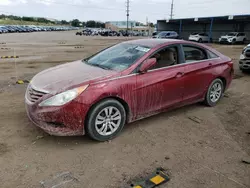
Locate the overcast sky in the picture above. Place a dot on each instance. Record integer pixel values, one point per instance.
(108, 10)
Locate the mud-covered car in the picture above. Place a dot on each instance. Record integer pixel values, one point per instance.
(126, 82)
(244, 63)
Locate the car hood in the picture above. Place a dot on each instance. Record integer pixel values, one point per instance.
(227, 36)
(68, 75)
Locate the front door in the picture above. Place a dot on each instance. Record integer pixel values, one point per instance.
(162, 86)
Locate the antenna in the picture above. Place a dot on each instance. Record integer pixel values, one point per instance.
(172, 10)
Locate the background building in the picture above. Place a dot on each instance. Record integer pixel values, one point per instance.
(132, 25)
(214, 26)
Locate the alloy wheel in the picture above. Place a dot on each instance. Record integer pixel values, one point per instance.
(108, 121)
(215, 92)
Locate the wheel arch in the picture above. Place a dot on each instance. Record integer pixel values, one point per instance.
(223, 80)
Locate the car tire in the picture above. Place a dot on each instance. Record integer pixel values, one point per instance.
(244, 41)
(200, 40)
(103, 117)
(214, 92)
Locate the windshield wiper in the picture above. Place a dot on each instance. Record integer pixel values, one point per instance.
(101, 66)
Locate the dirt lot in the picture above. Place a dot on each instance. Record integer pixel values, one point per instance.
(207, 153)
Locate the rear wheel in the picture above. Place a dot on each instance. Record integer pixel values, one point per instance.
(106, 120)
(214, 92)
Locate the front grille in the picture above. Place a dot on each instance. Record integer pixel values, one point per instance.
(223, 39)
(34, 95)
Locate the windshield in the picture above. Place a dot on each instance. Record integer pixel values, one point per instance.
(194, 33)
(231, 34)
(162, 34)
(118, 57)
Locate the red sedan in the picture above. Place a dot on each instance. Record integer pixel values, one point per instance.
(124, 83)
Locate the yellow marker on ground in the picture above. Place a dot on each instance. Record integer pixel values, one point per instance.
(20, 82)
(157, 179)
(138, 186)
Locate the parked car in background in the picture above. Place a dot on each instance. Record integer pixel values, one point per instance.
(79, 33)
(3, 29)
(124, 83)
(167, 35)
(199, 37)
(244, 63)
(233, 38)
(32, 28)
(154, 33)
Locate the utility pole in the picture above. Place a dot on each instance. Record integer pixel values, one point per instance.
(147, 24)
(172, 10)
(127, 11)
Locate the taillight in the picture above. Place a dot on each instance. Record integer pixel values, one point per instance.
(231, 64)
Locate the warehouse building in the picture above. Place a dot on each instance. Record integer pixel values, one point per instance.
(213, 26)
(122, 25)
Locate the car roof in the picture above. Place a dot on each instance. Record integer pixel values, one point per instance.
(151, 43)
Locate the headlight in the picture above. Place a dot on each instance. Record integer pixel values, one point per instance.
(63, 98)
(242, 56)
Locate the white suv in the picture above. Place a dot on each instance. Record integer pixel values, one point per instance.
(199, 37)
(233, 38)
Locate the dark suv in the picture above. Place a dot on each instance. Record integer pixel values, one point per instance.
(244, 62)
(167, 35)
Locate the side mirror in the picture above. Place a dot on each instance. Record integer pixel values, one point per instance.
(147, 64)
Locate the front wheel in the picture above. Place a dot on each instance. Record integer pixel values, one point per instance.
(106, 120)
(214, 92)
(244, 41)
(200, 40)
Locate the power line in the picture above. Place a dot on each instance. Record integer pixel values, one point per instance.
(172, 9)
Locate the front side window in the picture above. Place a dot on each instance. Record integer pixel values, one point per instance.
(166, 57)
(162, 34)
(232, 34)
(194, 54)
(118, 57)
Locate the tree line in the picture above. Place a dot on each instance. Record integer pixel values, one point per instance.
(25, 18)
(74, 22)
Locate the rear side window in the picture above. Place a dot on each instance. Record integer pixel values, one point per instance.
(194, 53)
(211, 55)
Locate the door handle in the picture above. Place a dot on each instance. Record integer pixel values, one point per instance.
(179, 74)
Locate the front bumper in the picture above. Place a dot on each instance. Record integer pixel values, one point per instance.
(66, 120)
(244, 64)
(225, 41)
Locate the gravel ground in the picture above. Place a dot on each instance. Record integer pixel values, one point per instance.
(200, 154)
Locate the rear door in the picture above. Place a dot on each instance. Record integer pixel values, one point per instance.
(198, 71)
(239, 37)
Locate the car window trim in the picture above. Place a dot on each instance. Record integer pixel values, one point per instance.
(137, 73)
(179, 50)
(199, 47)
